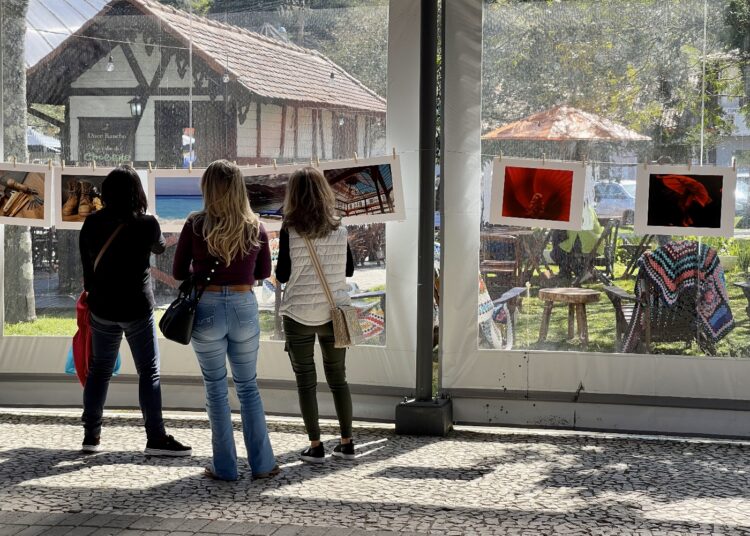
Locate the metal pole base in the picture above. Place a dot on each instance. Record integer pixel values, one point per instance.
(430, 418)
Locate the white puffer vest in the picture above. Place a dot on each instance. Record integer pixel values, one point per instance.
(304, 300)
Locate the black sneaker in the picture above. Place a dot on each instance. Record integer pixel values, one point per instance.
(90, 444)
(167, 446)
(314, 454)
(345, 451)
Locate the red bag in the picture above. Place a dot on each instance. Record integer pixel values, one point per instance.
(82, 339)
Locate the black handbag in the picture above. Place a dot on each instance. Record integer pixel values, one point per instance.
(177, 322)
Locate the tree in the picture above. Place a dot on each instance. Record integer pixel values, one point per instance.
(635, 62)
(19, 269)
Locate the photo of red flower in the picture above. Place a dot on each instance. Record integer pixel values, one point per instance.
(537, 193)
(682, 200)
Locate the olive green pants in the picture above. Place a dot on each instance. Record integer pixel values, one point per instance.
(300, 344)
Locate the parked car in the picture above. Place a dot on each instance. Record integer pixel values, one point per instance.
(614, 201)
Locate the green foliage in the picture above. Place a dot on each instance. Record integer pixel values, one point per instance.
(638, 63)
(199, 7)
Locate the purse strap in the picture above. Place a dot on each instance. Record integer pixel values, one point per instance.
(106, 245)
(319, 269)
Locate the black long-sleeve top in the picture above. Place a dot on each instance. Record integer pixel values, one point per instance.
(120, 289)
(284, 262)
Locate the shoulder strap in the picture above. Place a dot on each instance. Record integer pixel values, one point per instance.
(319, 270)
(107, 244)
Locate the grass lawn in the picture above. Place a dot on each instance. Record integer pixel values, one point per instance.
(601, 321)
(63, 324)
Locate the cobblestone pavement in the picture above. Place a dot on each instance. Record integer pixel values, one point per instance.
(476, 481)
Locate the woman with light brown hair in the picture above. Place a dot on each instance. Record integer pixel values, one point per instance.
(226, 246)
(310, 214)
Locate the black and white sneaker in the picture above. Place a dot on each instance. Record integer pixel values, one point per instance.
(344, 451)
(167, 446)
(90, 444)
(313, 454)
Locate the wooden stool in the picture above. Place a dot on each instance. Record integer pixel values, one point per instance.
(576, 298)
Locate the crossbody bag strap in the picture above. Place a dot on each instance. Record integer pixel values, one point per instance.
(106, 245)
(319, 270)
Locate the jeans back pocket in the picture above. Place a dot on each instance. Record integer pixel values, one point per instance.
(204, 316)
(247, 314)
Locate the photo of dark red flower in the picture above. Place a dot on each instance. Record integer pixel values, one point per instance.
(685, 200)
(538, 194)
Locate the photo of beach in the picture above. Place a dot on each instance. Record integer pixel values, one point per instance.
(176, 198)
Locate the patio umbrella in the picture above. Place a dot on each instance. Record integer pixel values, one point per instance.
(565, 123)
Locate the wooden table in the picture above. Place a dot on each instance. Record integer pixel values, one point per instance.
(576, 298)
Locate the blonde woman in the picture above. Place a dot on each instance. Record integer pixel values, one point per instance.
(309, 212)
(226, 245)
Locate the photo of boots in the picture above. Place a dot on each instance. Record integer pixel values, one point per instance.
(85, 206)
(71, 200)
(79, 195)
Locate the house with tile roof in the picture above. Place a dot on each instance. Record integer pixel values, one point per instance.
(143, 82)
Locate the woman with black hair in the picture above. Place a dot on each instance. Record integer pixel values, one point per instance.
(116, 244)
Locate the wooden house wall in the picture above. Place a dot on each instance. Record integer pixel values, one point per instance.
(87, 100)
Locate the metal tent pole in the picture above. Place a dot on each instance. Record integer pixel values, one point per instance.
(425, 415)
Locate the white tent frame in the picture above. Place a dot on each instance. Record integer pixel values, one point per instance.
(670, 394)
(31, 367)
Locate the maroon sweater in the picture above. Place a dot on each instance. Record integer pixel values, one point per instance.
(192, 256)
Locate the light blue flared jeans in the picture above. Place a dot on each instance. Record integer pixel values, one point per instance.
(226, 326)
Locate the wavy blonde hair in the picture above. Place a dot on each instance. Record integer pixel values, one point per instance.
(310, 204)
(227, 223)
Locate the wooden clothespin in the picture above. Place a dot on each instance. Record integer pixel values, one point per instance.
(734, 163)
(13, 160)
(355, 157)
(544, 158)
(317, 161)
(62, 164)
(149, 166)
(93, 165)
(500, 156)
(49, 164)
(394, 153)
(274, 164)
(190, 167)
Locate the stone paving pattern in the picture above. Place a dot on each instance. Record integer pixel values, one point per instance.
(476, 481)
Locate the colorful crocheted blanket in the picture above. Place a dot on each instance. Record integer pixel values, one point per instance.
(677, 268)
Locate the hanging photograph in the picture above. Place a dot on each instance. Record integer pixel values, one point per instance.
(536, 193)
(78, 194)
(367, 191)
(682, 200)
(24, 195)
(172, 195)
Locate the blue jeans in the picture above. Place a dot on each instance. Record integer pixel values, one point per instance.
(106, 337)
(226, 325)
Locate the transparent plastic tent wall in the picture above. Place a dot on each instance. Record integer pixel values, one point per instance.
(674, 388)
